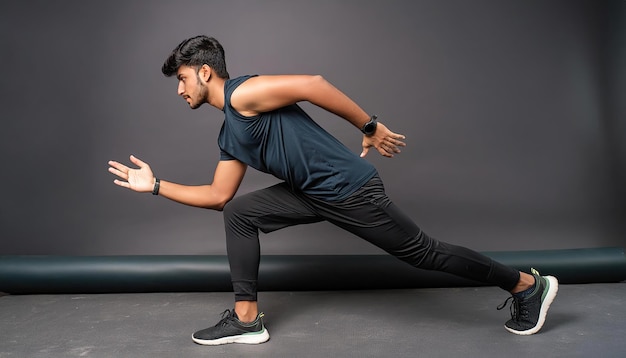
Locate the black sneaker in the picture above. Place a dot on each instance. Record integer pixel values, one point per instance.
(231, 330)
(528, 314)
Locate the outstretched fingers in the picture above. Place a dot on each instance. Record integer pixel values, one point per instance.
(391, 145)
(396, 139)
(388, 143)
(118, 169)
(138, 179)
(121, 171)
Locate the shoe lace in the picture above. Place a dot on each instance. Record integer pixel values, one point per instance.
(515, 308)
(226, 316)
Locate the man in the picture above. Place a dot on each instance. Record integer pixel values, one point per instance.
(322, 180)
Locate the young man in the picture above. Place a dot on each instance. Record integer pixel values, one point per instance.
(322, 180)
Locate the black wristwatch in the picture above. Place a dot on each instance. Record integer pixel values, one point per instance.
(370, 127)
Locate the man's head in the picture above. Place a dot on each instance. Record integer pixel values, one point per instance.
(194, 61)
(195, 52)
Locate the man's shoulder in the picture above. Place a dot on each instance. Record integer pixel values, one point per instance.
(236, 81)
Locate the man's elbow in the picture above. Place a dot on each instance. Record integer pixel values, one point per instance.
(219, 204)
(318, 79)
(218, 207)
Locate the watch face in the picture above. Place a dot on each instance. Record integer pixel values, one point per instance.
(369, 128)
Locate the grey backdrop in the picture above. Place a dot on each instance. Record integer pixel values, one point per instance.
(513, 111)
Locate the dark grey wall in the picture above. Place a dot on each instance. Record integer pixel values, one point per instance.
(513, 111)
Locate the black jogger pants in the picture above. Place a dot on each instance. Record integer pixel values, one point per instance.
(367, 213)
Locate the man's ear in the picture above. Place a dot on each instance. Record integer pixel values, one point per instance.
(205, 72)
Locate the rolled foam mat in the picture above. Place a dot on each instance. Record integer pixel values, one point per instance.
(179, 273)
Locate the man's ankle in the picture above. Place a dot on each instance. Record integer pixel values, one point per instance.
(246, 311)
(526, 281)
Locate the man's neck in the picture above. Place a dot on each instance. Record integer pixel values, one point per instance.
(216, 92)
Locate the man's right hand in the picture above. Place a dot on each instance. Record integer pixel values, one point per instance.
(140, 180)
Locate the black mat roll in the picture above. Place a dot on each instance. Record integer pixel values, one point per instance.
(176, 273)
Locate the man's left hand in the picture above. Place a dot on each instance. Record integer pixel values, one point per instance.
(385, 141)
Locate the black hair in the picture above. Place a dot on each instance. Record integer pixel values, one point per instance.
(195, 52)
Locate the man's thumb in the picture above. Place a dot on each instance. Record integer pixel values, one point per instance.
(364, 152)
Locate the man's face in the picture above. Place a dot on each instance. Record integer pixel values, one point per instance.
(191, 87)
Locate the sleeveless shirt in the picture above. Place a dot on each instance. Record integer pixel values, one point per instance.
(288, 144)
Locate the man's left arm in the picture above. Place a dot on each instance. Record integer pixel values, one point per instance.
(266, 93)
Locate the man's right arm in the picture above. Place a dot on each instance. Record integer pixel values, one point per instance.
(228, 176)
(226, 180)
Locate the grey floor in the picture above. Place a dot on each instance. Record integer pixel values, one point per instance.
(584, 321)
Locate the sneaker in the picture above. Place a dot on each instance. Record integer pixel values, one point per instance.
(231, 330)
(528, 314)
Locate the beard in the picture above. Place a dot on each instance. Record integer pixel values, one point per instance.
(202, 96)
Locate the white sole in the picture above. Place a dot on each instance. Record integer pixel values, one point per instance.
(250, 338)
(545, 305)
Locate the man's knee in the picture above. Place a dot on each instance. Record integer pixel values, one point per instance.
(234, 209)
(419, 251)
(235, 205)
